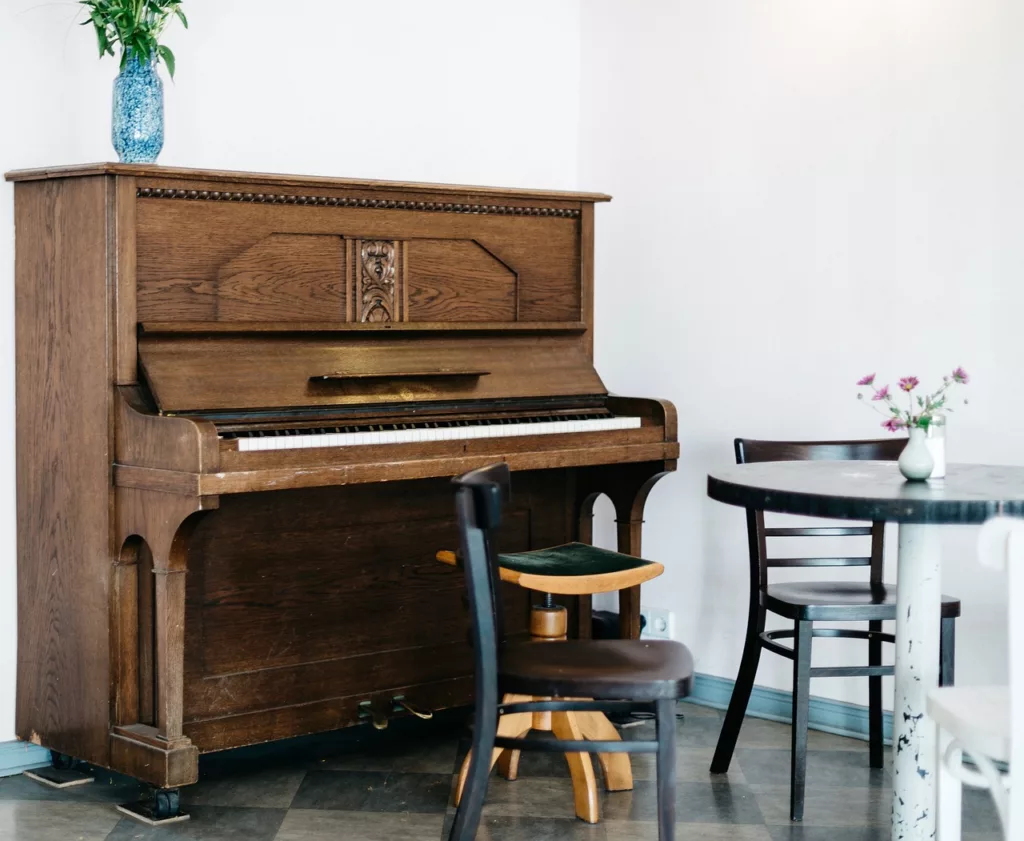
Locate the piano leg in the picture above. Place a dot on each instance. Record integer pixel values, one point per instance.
(150, 744)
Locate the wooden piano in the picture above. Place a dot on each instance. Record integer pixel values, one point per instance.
(240, 399)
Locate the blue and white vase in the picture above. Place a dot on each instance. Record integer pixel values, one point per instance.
(138, 120)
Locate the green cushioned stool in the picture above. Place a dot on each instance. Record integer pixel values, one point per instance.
(572, 569)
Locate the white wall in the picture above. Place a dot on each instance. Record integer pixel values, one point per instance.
(805, 191)
(452, 90)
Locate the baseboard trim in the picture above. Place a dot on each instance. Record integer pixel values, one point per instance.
(18, 756)
(824, 714)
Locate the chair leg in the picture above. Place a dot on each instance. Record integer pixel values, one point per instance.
(876, 750)
(947, 652)
(665, 719)
(471, 805)
(950, 791)
(513, 726)
(618, 772)
(801, 699)
(581, 769)
(740, 693)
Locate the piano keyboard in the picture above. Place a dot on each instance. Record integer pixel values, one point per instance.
(405, 433)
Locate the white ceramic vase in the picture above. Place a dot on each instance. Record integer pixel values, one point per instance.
(916, 462)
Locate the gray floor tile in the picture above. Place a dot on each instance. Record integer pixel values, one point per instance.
(208, 823)
(318, 825)
(832, 807)
(106, 788)
(760, 733)
(825, 768)
(38, 820)
(713, 803)
(798, 832)
(693, 765)
(570, 829)
(266, 788)
(374, 791)
(433, 756)
(979, 812)
(688, 708)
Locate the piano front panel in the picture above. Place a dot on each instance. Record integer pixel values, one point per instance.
(303, 603)
(263, 262)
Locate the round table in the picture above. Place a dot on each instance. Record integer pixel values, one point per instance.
(875, 491)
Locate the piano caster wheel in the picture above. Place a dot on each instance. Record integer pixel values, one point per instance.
(64, 772)
(162, 807)
(61, 761)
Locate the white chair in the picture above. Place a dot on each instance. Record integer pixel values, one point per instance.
(979, 720)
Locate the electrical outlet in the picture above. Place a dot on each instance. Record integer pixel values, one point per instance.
(659, 624)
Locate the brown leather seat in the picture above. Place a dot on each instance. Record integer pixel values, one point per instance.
(640, 670)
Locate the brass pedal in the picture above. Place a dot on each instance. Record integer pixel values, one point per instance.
(367, 711)
(401, 704)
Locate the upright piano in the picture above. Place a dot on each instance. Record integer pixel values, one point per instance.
(240, 399)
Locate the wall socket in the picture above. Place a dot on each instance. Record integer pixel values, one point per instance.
(660, 624)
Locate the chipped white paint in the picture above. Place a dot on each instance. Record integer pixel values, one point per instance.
(917, 673)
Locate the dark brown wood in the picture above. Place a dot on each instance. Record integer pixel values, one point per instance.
(64, 455)
(449, 192)
(220, 327)
(192, 373)
(185, 595)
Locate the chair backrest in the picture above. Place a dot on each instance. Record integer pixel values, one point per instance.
(749, 451)
(1001, 547)
(478, 502)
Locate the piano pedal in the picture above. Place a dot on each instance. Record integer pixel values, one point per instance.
(401, 704)
(162, 807)
(368, 711)
(63, 772)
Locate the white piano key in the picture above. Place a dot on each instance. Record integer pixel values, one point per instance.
(437, 433)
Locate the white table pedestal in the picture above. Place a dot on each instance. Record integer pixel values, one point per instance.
(918, 617)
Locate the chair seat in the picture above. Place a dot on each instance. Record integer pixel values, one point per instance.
(576, 569)
(839, 600)
(976, 716)
(639, 670)
(572, 569)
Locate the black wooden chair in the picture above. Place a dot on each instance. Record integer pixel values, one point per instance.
(616, 674)
(807, 602)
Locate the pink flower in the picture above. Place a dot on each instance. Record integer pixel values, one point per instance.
(882, 393)
(868, 380)
(908, 383)
(960, 376)
(893, 424)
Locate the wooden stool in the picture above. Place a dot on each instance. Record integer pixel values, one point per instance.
(575, 569)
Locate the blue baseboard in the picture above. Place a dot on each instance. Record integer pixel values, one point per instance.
(837, 717)
(16, 757)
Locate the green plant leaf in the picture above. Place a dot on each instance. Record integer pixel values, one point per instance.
(168, 57)
(135, 25)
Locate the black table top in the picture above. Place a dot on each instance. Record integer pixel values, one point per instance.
(871, 490)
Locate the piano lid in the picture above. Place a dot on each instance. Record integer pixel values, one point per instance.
(196, 373)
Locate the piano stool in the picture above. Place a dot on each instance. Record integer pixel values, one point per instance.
(573, 569)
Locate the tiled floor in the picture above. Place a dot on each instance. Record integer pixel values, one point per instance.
(395, 786)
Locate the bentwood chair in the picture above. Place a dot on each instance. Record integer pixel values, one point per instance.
(613, 675)
(808, 602)
(982, 721)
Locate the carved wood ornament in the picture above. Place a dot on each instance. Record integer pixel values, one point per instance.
(376, 281)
